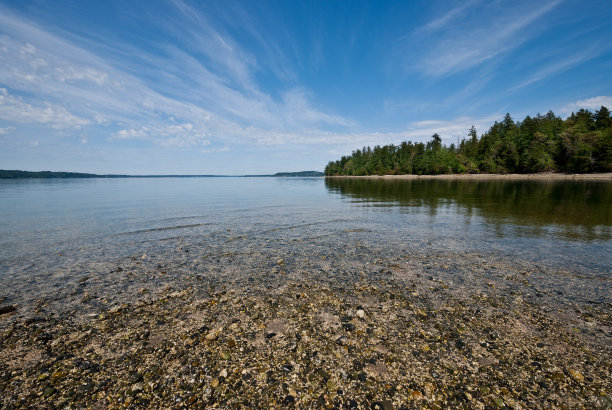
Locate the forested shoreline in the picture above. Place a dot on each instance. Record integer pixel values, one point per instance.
(582, 143)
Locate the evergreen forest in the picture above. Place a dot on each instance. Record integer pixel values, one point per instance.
(582, 143)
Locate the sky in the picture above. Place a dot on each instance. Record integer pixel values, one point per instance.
(255, 87)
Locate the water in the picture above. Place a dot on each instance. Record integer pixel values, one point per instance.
(57, 234)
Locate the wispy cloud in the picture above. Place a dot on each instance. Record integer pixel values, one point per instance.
(559, 67)
(442, 21)
(14, 109)
(214, 150)
(6, 130)
(208, 85)
(174, 135)
(491, 31)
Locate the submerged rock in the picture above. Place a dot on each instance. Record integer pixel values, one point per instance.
(7, 309)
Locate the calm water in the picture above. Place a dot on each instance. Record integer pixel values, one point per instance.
(52, 232)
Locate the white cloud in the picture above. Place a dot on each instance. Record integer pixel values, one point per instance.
(6, 130)
(180, 135)
(215, 150)
(33, 144)
(216, 94)
(14, 109)
(592, 104)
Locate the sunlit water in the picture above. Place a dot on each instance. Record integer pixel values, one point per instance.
(55, 232)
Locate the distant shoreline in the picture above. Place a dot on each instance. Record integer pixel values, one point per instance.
(543, 176)
(18, 174)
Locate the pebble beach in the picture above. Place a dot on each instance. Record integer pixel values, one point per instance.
(365, 325)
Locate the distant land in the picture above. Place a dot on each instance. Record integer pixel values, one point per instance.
(14, 174)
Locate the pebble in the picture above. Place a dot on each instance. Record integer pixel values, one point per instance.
(577, 376)
(49, 392)
(342, 341)
(7, 309)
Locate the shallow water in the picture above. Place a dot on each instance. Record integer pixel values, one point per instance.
(57, 234)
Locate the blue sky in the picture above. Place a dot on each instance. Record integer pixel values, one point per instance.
(237, 87)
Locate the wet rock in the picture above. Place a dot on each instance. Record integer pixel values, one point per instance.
(135, 378)
(348, 327)
(7, 309)
(342, 341)
(382, 405)
(324, 374)
(49, 392)
(576, 376)
(288, 400)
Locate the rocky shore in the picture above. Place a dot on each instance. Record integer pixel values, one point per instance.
(312, 332)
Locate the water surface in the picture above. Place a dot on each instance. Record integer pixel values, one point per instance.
(55, 233)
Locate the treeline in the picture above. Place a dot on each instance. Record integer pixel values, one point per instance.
(11, 174)
(582, 143)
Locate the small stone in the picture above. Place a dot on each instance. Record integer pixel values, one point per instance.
(360, 313)
(225, 355)
(49, 392)
(137, 387)
(429, 388)
(134, 378)
(7, 309)
(342, 341)
(558, 376)
(215, 383)
(498, 402)
(576, 376)
(416, 395)
(387, 405)
(324, 374)
(223, 373)
(56, 375)
(280, 261)
(288, 400)
(460, 344)
(348, 327)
